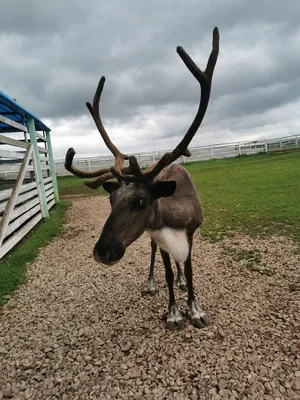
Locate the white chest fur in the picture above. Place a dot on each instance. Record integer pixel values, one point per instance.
(173, 242)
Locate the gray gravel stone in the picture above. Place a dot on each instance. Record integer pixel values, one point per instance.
(296, 383)
(79, 330)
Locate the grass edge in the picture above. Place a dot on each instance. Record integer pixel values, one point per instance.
(14, 266)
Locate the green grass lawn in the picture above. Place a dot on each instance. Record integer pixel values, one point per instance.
(254, 194)
(69, 185)
(257, 194)
(13, 268)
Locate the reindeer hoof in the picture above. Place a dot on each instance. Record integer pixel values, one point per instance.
(175, 325)
(148, 290)
(182, 287)
(175, 322)
(201, 322)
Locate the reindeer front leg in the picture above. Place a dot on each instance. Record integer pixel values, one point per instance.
(149, 287)
(198, 317)
(175, 320)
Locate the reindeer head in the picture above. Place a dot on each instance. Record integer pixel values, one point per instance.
(134, 196)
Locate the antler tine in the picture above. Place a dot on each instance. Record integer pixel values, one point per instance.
(78, 172)
(96, 183)
(94, 110)
(205, 79)
(134, 170)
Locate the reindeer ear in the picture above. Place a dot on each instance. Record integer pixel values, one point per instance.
(111, 186)
(162, 188)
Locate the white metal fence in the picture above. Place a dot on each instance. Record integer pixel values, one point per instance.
(199, 153)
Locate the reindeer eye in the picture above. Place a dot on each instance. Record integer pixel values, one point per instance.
(141, 203)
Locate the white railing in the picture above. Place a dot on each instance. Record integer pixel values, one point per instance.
(199, 153)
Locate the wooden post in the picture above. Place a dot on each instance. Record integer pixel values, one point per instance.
(39, 188)
(266, 145)
(14, 194)
(39, 173)
(46, 154)
(52, 167)
(211, 152)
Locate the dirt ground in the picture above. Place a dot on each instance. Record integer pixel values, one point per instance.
(79, 330)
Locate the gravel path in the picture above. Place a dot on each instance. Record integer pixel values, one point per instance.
(78, 330)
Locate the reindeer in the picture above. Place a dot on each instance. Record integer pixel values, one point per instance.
(161, 200)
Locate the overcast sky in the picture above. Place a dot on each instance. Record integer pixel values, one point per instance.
(54, 52)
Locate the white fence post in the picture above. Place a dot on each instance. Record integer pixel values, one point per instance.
(38, 170)
(240, 151)
(14, 194)
(211, 152)
(266, 145)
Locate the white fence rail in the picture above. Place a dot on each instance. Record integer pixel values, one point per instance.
(197, 153)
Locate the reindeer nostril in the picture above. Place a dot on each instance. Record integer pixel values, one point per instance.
(107, 257)
(108, 253)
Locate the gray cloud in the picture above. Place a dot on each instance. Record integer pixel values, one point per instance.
(55, 52)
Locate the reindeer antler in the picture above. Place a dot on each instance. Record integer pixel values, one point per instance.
(102, 174)
(133, 172)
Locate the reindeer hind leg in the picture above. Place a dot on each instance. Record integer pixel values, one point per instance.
(181, 282)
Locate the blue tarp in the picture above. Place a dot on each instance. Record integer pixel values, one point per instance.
(11, 109)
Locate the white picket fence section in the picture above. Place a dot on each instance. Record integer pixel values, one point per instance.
(29, 199)
(199, 153)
